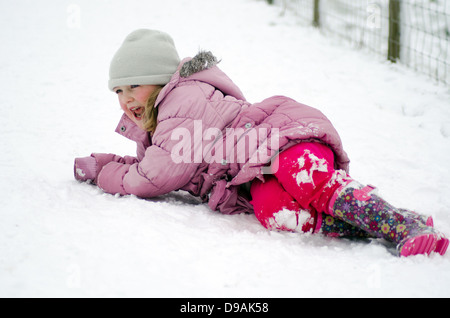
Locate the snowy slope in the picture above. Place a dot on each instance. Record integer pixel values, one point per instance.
(62, 238)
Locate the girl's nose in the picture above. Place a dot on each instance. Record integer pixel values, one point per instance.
(127, 97)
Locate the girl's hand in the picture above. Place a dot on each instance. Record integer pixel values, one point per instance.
(85, 169)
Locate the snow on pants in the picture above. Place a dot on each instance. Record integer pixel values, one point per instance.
(298, 193)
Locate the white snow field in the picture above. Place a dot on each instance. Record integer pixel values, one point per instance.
(62, 238)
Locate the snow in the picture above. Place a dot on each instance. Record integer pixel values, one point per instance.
(62, 238)
(291, 220)
(305, 176)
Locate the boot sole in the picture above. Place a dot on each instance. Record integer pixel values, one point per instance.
(441, 246)
(422, 244)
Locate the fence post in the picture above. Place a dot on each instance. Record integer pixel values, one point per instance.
(316, 18)
(394, 31)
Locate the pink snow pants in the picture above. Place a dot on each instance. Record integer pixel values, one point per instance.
(295, 197)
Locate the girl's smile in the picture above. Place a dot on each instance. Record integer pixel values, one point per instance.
(133, 99)
(137, 112)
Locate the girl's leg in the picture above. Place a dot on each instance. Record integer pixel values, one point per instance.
(360, 206)
(277, 210)
(307, 173)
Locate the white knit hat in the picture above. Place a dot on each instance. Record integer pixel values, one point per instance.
(146, 57)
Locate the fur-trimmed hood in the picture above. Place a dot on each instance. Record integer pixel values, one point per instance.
(202, 61)
(202, 67)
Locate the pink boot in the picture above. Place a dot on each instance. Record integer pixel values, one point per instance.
(357, 205)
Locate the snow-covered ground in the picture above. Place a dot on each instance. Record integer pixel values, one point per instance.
(61, 238)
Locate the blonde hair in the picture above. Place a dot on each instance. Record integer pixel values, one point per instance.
(151, 112)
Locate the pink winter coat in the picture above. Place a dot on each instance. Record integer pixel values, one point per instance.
(205, 113)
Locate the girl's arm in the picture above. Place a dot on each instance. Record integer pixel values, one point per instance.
(88, 168)
(155, 175)
(161, 170)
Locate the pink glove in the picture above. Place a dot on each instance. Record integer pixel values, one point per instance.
(85, 168)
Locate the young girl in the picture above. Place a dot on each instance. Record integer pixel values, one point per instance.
(279, 159)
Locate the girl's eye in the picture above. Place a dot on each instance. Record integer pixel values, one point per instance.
(118, 91)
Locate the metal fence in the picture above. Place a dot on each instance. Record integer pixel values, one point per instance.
(415, 33)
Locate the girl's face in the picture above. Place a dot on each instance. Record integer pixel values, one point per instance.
(132, 99)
